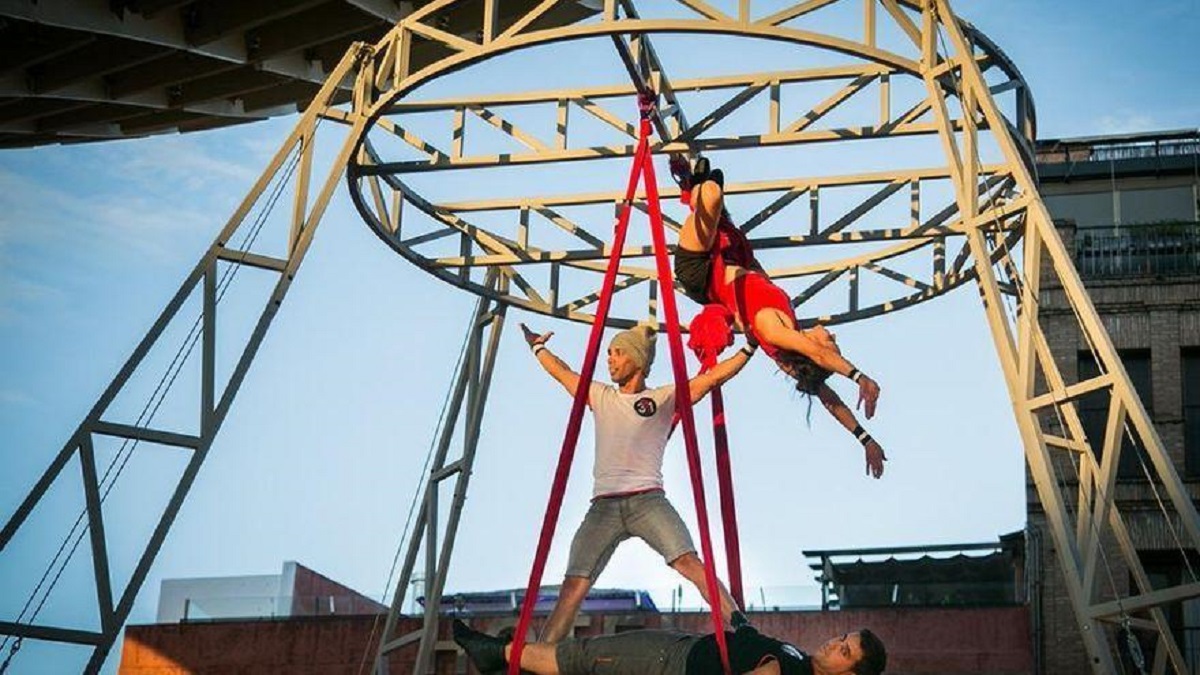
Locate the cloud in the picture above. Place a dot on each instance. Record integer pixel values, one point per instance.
(14, 397)
(1125, 122)
(53, 234)
(182, 158)
(14, 291)
(40, 213)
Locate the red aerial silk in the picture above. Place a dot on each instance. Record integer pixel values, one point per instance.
(643, 167)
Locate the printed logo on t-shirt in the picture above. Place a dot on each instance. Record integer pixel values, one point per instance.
(792, 652)
(645, 406)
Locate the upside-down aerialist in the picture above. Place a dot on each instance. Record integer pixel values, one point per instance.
(714, 263)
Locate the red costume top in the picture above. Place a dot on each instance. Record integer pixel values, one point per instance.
(751, 291)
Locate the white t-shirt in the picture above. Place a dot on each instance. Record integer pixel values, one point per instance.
(631, 436)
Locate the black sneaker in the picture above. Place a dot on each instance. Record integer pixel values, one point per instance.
(485, 651)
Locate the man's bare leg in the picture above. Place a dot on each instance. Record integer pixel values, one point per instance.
(538, 658)
(692, 569)
(562, 619)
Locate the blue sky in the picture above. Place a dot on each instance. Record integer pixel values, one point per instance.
(321, 454)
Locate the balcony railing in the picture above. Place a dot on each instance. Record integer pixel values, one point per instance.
(1139, 251)
(1117, 149)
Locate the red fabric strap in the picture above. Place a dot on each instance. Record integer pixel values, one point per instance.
(708, 335)
(733, 546)
(683, 402)
(643, 167)
(567, 453)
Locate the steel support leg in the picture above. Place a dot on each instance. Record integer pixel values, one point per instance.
(291, 165)
(1035, 383)
(470, 395)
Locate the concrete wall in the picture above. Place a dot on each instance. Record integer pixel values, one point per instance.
(253, 595)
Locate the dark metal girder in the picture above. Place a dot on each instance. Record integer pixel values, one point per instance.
(158, 120)
(206, 123)
(306, 29)
(101, 57)
(149, 8)
(24, 44)
(13, 140)
(24, 109)
(95, 113)
(227, 85)
(210, 20)
(81, 637)
(329, 53)
(174, 68)
(276, 96)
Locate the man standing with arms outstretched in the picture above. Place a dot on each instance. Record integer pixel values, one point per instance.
(632, 423)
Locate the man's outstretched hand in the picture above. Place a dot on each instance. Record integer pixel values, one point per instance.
(875, 459)
(868, 395)
(533, 339)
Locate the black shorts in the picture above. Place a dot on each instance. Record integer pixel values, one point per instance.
(693, 270)
(639, 652)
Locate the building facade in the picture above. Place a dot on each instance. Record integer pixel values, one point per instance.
(1128, 207)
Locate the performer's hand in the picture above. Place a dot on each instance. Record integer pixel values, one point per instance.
(868, 394)
(825, 337)
(875, 459)
(533, 339)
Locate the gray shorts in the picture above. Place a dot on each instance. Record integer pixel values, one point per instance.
(639, 652)
(612, 520)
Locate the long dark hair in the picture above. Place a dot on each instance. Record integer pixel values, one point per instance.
(808, 375)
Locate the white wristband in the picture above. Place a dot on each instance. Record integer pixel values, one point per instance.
(539, 348)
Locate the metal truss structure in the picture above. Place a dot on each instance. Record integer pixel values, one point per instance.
(468, 394)
(233, 250)
(902, 71)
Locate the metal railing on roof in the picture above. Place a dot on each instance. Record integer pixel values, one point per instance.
(1131, 252)
(1181, 144)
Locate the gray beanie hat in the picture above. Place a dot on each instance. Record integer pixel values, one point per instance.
(638, 343)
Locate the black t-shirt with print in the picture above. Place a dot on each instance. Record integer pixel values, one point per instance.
(747, 650)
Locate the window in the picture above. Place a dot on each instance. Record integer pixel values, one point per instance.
(1190, 361)
(1093, 408)
(1158, 204)
(1167, 569)
(1094, 209)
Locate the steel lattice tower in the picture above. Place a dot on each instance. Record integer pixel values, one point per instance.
(918, 70)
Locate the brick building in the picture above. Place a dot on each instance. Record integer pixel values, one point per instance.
(223, 632)
(1128, 208)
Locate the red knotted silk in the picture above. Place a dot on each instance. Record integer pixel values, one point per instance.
(643, 166)
(708, 335)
